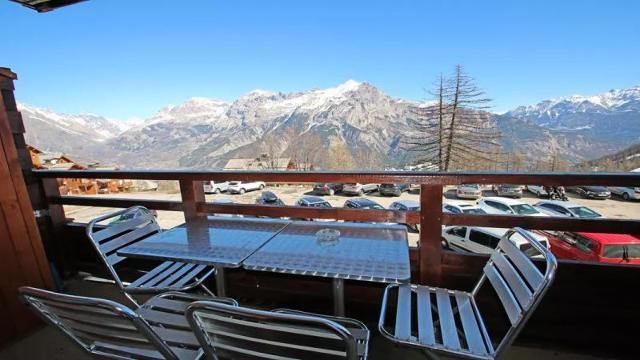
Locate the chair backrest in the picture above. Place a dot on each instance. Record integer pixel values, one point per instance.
(517, 281)
(138, 223)
(101, 327)
(240, 333)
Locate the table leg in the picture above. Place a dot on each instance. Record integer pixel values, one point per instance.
(338, 297)
(221, 284)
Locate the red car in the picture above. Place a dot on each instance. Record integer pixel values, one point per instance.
(598, 247)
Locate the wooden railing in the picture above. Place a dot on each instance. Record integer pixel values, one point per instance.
(428, 254)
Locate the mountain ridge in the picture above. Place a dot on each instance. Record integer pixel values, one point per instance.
(369, 124)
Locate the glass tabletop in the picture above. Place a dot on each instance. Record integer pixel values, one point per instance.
(218, 241)
(363, 251)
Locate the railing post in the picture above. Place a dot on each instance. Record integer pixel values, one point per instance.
(62, 252)
(430, 234)
(192, 193)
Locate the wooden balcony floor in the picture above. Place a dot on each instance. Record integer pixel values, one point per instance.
(47, 343)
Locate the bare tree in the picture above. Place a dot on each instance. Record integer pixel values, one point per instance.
(456, 131)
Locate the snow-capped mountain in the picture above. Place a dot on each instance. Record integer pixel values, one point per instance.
(358, 118)
(613, 116)
(69, 133)
(206, 132)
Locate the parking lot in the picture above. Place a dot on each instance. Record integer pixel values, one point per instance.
(611, 208)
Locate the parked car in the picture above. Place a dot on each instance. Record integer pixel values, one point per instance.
(362, 203)
(393, 189)
(359, 189)
(597, 247)
(313, 201)
(565, 208)
(505, 206)
(452, 207)
(469, 191)
(133, 214)
(407, 205)
(508, 190)
(215, 187)
(269, 198)
(484, 240)
(593, 192)
(627, 193)
(239, 187)
(538, 190)
(327, 188)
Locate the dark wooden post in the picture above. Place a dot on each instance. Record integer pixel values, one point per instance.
(430, 234)
(22, 257)
(192, 193)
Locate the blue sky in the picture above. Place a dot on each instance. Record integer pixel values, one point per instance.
(124, 58)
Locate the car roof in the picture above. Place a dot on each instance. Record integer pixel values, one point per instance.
(565, 204)
(505, 201)
(407, 203)
(363, 201)
(499, 232)
(459, 203)
(611, 238)
(313, 199)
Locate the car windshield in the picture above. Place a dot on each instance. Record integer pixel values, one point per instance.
(413, 208)
(323, 204)
(621, 251)
(530, 251)
(474, 211)
(387, 186)
(584, 212)
(596, 188)
(472, 186)
(234, 183)
(373, 206)
(524, 209)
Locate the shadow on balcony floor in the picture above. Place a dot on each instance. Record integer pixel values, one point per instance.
(47, 343)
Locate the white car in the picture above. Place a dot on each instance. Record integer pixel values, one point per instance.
(359, 189)
(215, 187)
(627, 193)
(459, 207)
(505, 206)
(469, 191)
(239, 187)
(484, 240)
(537, 190)
(565, 208)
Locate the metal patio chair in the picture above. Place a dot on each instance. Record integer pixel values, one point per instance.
(230, 332)
(449, 321)
(132, 225)
(157, 330)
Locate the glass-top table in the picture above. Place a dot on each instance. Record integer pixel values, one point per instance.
(216, 241)
(364, 252)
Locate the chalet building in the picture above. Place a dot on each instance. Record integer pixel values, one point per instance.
(265, 162)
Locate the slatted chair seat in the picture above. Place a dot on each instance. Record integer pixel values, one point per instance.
(167, 276)
(359, 330)
(227, 332)
(449, 321)
(156, 330)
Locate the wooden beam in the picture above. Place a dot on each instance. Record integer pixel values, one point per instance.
(430, 234)
(192, 193)
(392, 216)
(557, 179)
(116, 202)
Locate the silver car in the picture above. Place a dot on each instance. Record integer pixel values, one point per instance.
(627, 193)
(215, 187)
(469, 191)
